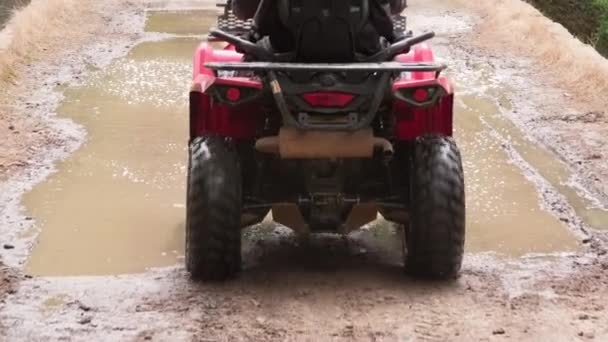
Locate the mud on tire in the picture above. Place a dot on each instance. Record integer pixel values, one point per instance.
(213, 210)
(436, 233)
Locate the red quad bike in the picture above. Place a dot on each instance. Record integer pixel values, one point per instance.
(325, 141)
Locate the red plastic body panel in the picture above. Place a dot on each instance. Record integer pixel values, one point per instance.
(412, 122)
(420, 53)
(238, 122)
(206, 53)
(239, 82)
(243, 121)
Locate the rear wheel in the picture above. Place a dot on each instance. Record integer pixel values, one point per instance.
(213, 210)
(436, 232)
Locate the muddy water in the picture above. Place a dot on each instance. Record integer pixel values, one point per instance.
(193, 22)
(503, 210)
(555, 172)
(117, 204)
(552, 170)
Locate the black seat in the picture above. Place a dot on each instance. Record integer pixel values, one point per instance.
(324, 30)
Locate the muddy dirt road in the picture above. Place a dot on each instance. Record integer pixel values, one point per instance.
(94, 248)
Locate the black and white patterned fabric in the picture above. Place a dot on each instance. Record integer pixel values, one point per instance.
(230, 23)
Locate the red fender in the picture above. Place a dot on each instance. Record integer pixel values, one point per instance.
(421, 53)
(239, 122)
(413, 122)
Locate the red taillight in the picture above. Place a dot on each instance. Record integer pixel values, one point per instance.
(233, 94)
(425, 96)
(328, 99)
(421, 95)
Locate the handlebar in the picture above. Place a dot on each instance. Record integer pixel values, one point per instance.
(243, 45)
(402, 46)
(259, 52)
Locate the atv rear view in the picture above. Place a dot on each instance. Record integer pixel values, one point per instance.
(325, 146)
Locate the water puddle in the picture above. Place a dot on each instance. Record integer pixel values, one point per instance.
(117, 204)
(53, 303)
(503, 210)
(554, 171)
(192, 22)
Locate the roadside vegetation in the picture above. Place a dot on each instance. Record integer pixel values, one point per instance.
(38, 30)
(8, 7)
(586, 19)
(602, 42)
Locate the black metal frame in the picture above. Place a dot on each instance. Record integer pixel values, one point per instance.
(324, 67)
(352, 123)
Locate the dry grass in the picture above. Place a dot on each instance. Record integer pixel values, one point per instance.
(8, 7)
(41, 29)
(516, 26)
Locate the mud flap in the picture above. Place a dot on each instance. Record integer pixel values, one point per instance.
(290, 216)
(360, 215)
